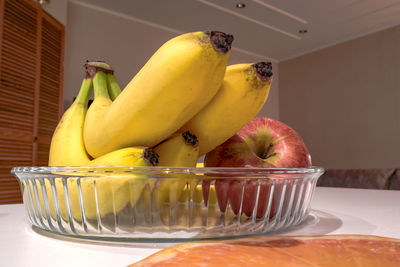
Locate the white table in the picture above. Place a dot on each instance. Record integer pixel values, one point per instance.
(338, 211)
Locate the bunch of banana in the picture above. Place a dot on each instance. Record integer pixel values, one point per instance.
(67, 149)
(183, 103)
(175, 84)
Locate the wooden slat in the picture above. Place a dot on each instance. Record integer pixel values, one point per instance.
(21, 13)
(18, 53)
(58, 31)
(23, 65)
(10, 134)
(50, 85)
(17, 70)
(14, 104)
(15, 35)
(13, 152)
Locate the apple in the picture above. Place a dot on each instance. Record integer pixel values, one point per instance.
(263, 143)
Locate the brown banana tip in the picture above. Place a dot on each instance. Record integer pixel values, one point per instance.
(150, 156)
(264, 70)
(93, 66)
(221, 42)
(190, 139)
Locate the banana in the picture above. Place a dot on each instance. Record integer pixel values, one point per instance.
(67, 145)
(180, 150)
(175, 84)
(242, 94)
(113, 192)
(102, 100)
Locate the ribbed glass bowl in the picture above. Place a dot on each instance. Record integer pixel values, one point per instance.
(165, 203)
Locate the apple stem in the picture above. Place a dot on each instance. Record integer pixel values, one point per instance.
(266, 154)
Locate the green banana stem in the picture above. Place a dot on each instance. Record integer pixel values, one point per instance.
(84, 92)
(100, 85)
(113, 87)
(99, 71)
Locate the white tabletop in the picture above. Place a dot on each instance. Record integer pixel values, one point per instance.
(335, 210)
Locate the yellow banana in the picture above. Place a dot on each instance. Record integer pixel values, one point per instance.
(176, 82)
(114, 191)
(181, 150)
(102, 100)
(67, 146)
(242, 94)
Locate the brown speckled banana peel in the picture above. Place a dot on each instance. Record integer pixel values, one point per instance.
(175, 84)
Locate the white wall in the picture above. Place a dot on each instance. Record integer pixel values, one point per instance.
(126, 44)
(345, 101)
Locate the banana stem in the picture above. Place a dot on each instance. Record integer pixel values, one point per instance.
(220, 41)
(263, 70)
(150, 156)
(100, 85)
(113, 87)
(84, 92)
(98, 70)
(190, 139)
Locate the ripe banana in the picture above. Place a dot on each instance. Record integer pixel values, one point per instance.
(114, 191)
(67, 146)
(176, 82)
(242, 94)
(102, 100)
(181, 150)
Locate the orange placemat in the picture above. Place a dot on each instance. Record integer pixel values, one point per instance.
(329, 250)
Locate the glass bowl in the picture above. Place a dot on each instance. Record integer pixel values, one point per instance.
(165, 203)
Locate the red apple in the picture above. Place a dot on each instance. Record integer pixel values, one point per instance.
(263, 142)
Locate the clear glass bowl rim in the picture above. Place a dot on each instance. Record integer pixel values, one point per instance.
(240, 171)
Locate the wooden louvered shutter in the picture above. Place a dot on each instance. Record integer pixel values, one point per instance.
(31, 52)
(50, 85)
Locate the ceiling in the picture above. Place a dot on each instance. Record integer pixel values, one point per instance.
(265, 28)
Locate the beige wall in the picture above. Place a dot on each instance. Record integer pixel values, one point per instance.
(58, 9)
(345, 101)
(126, 44)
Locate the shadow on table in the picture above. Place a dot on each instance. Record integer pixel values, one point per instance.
(316, 223)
